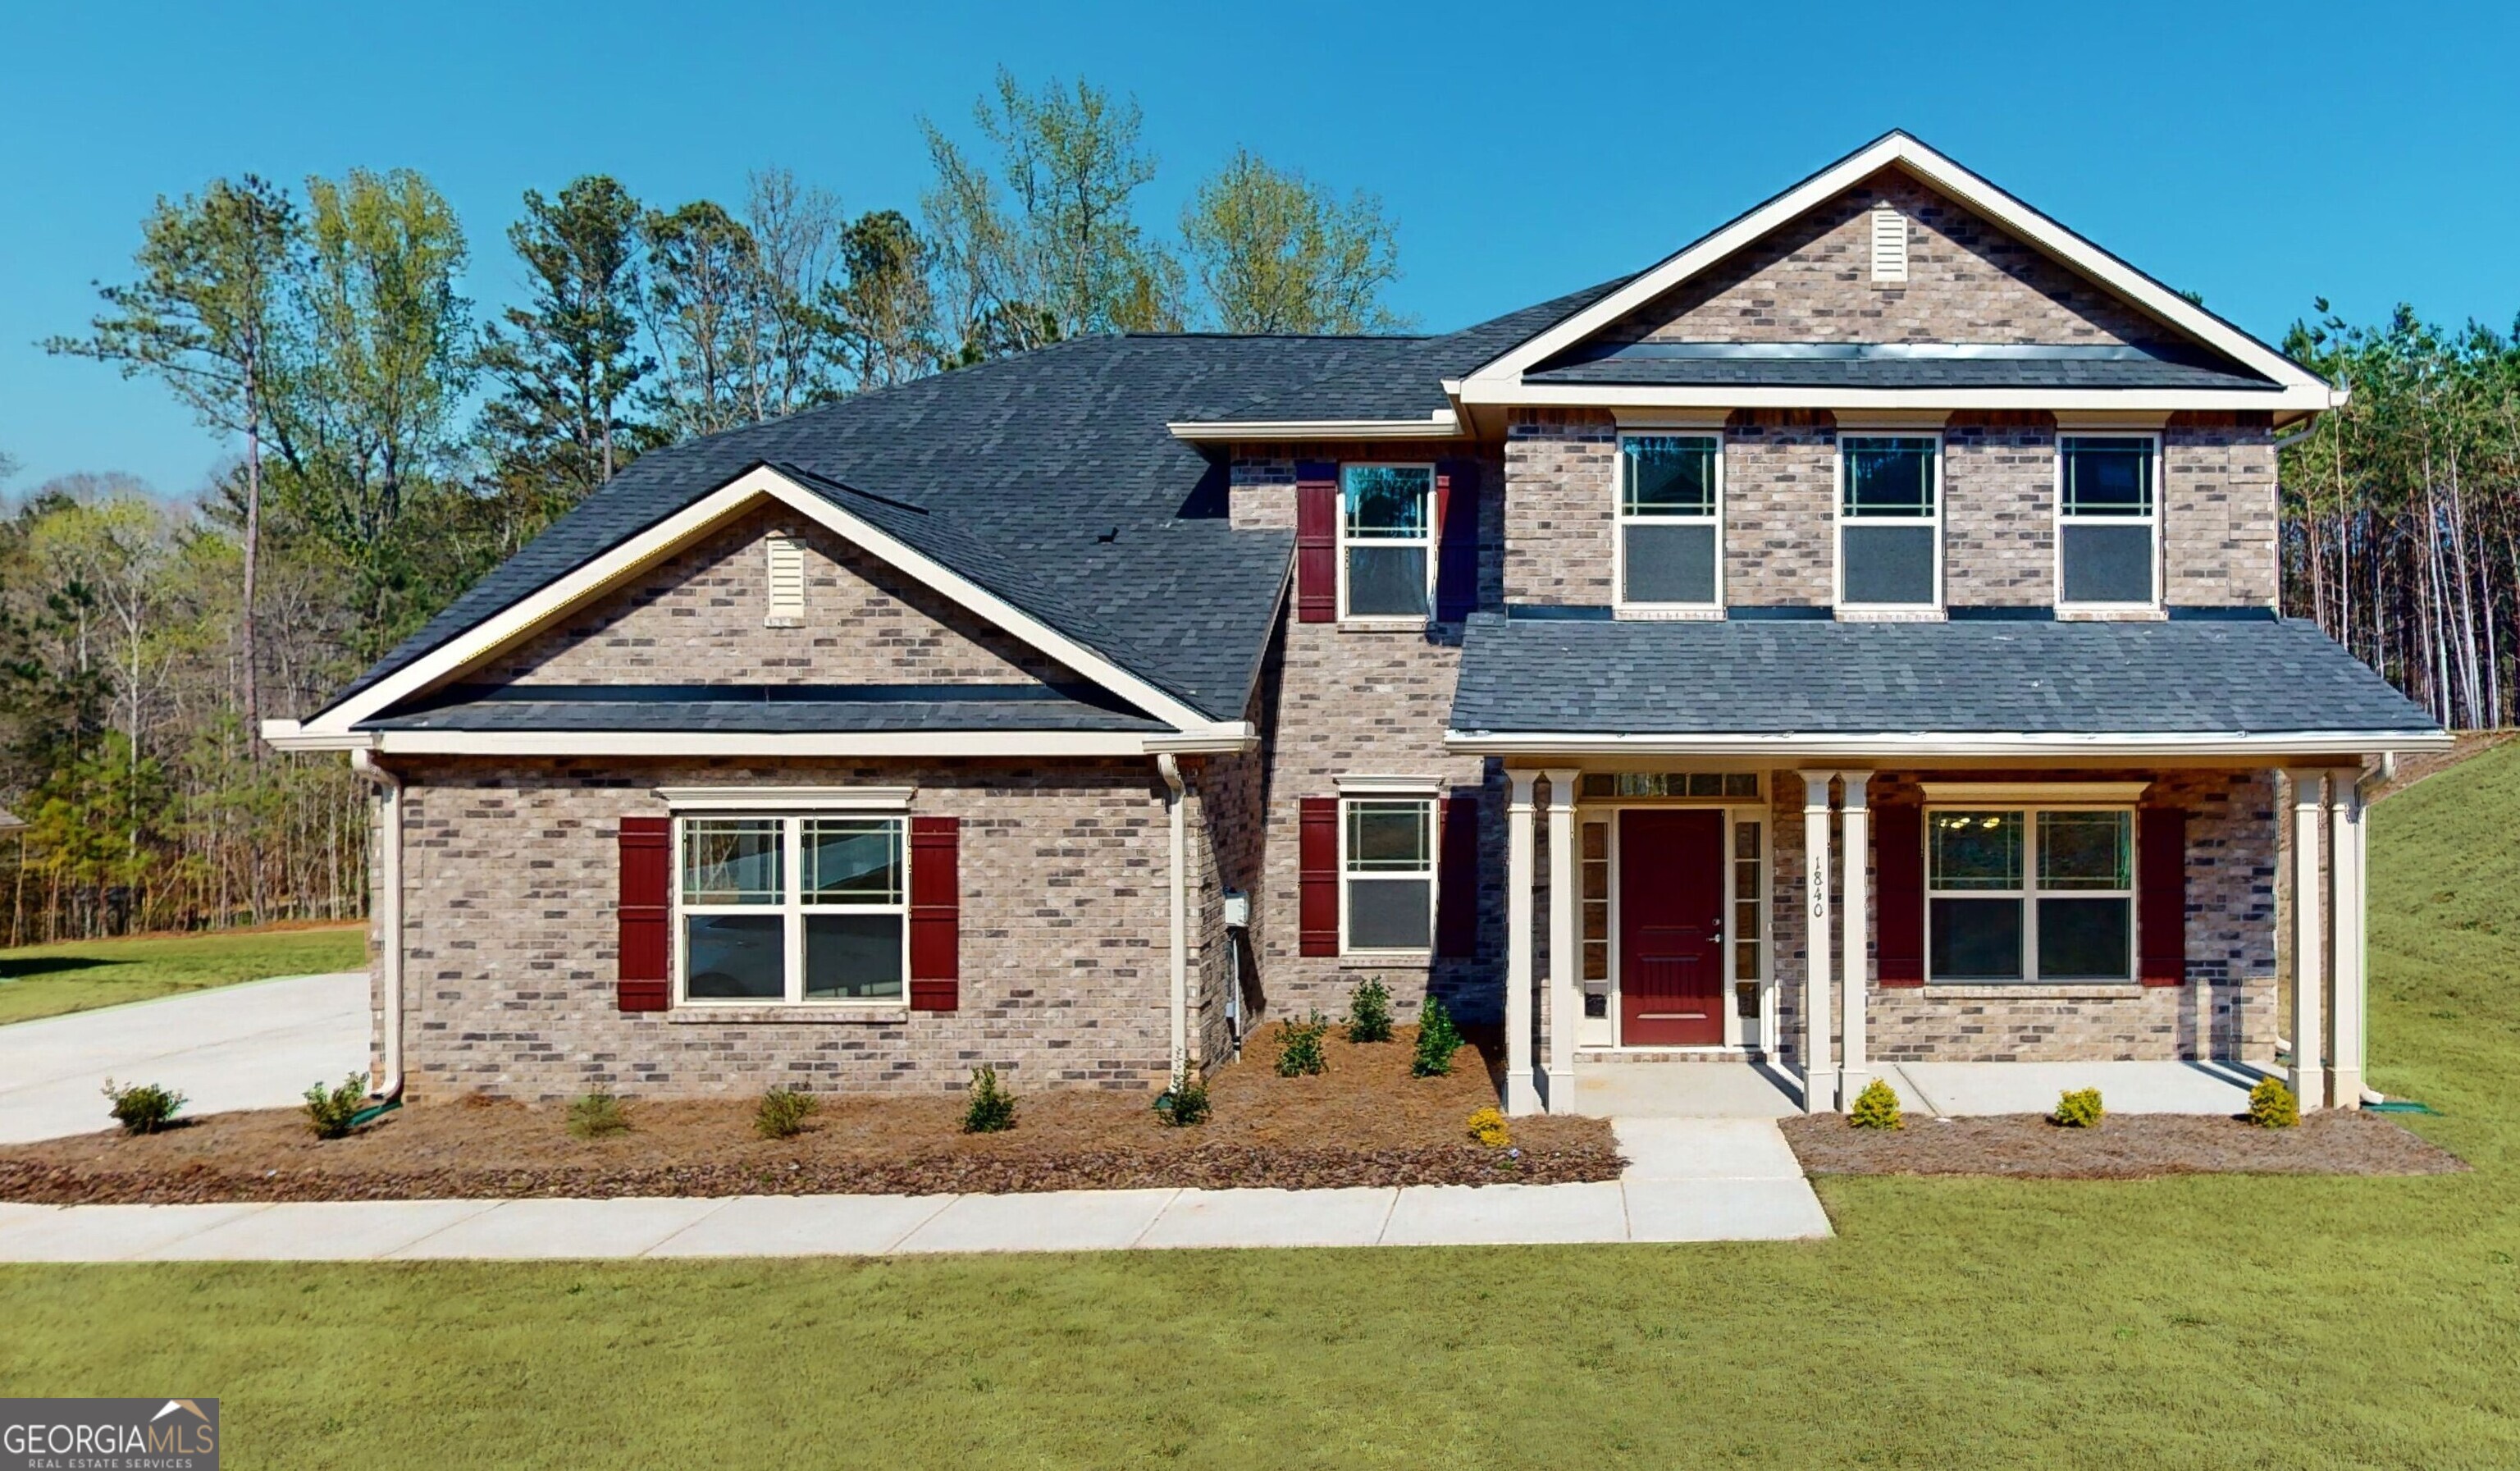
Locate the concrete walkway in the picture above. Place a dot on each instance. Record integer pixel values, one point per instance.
(1687, 1179)
(256, 1045)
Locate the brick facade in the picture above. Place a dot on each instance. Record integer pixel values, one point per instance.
(1811, 281)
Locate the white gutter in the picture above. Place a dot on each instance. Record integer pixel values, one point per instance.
(1440, 424)
(1800, 746)
(388, 918)
(1176, 901)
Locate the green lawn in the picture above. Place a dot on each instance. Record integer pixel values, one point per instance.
(2179, 1322)
(47, 980)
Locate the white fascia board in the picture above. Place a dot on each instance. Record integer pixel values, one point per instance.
(1442, 425)
(1511, 394)
(787, 798)
(1952, 179)
(603, 574)
(1801, 746)
(908, 744)
(290, 735)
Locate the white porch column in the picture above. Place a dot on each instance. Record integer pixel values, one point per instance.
(1565, 952)
(1855, 1068)
(2309, 971)
(2345, 867)
(1815, 957)
(1519, 1094)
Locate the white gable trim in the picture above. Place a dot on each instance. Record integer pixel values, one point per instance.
(289, 735)
(607, 571)
(1952, 179)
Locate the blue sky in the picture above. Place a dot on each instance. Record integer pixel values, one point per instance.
(2263, 157)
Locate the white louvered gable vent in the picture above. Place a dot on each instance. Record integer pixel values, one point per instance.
(1889, 245)
(787, 581)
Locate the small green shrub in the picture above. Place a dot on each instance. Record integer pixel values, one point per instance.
(2272, 1105)
(1876, 1107)
(1185, 1103)
(2078, 1108)
(597, 1116)
(1369, 1011)
(988, 1108)
(143, 1107)
(1437, 1040)
(782, 1113)
(1300, 1045)
(328, 1111)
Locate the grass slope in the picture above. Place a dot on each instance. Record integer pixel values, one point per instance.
(47, 980)
(2191, 1322)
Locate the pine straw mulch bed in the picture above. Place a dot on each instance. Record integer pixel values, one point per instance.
(2125, 1146)
(1364, 1122)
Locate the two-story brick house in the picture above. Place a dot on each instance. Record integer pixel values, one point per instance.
(1852, 636)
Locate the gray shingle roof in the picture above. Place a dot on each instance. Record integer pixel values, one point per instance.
(2207, 677)
(764, 708)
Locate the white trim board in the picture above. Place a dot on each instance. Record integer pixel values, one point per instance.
(1909, 747)
(606, 572)
(907, 744)
(1949, 178)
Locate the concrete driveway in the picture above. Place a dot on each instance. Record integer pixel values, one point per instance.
(251, 1046)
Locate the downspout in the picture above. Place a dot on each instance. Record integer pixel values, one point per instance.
(389, 918)
(1177, 905)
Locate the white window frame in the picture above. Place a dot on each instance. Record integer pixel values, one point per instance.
(2029, 892)
(1839, 521)
(1429, 541)
(1601, 1034)
(2151, 521)
(791, 906)
(1351, 795)
(1621, 519)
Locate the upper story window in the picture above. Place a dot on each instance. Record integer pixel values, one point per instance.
(2031, 895)
(794, 908)
(1386, 541)
(1670, 522)
(1889, 528)
(2108, 522)
(1388, 864)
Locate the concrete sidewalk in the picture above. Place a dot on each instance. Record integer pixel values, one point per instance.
(1687, 1179)
(254, 1044)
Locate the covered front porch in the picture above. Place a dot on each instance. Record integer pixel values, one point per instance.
(1726, 935)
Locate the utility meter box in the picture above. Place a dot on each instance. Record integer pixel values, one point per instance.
(1237, 910)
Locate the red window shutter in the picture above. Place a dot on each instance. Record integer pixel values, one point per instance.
(1899, 869)
(1317, 854)
(1457, 542)
(2161, 895)
(1317, 543)
(935, 914)
(644, 980)
(1457, 878)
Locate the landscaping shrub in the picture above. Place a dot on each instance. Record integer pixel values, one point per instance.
(2272, 1105)
(328, 1111)
(1369, 1011)
(1876, 1107)
(782, 1113)
(989, 1110)
(143, 1107)
(1437, 1040)
(1184, 1102)
(1487, 1126)
(1300, 1045)
(597, 1116)
(2078, 1108)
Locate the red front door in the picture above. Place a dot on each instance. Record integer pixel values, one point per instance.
(1671, 928)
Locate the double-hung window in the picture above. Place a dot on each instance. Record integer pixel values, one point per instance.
(2030, 894)
(2107, 526)
(1388, 873)
(1386, 541)
(794, 908)
(1889, 527)
(1670, 528)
